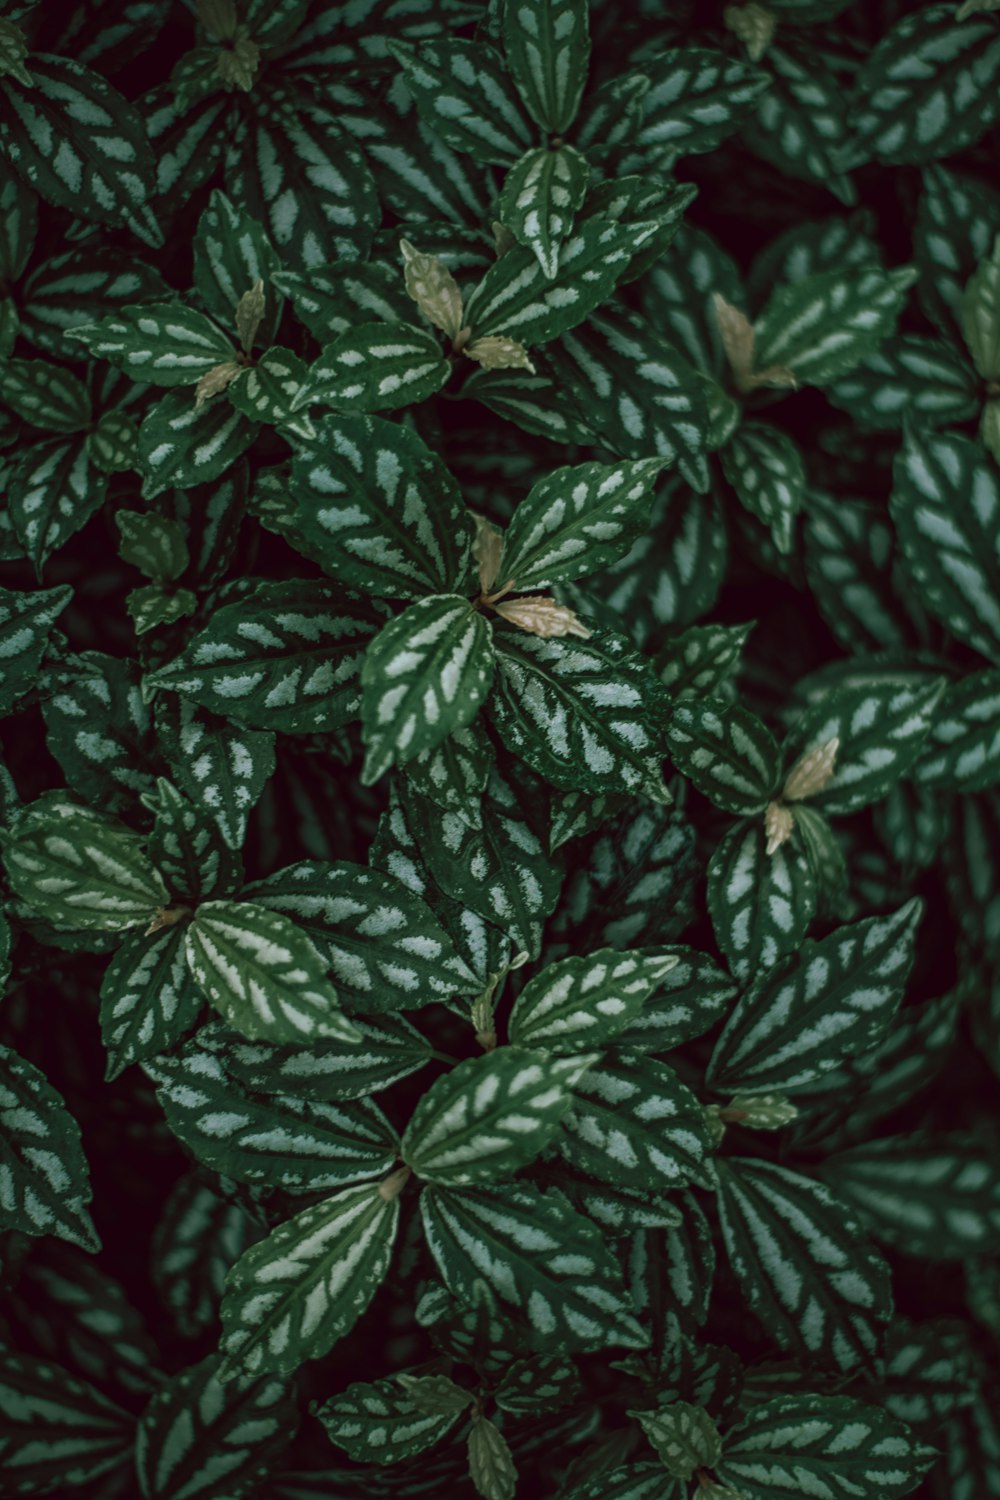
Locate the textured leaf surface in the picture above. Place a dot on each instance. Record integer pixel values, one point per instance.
(810, 1276)
(824, 325)
(379, 367)
(57, 1429)
(262, 974)
(548, 49)
(761, 904)
(833, 1000)
(538, 1256)
(584, 1001)
(291, 1297)
(148, 998)
(726, 751)
(44, 1179)
(382, 1423)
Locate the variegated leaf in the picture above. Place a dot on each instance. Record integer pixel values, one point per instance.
(291, 1297)
(426, 674)
(761, 904)
(379, 367)
(541, 194)
(726, 751)
(148, 997)
(263, 974)
(44, 1179)
(381, 1422)
(585, 1001)
(962, 751)
(57, 1430)
(833, 1000)
(548, 51)
(465, 95)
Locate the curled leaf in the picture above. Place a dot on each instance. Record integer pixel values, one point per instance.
(497, 352)
(433, 288)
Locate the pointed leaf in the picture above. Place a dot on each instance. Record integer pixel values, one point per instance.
(379, 367)
(726, 751)
(148, 998)
(44, 1173)
(585, 1001)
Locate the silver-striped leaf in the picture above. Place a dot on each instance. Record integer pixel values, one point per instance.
(765, 468)
(761, 904)
(688, 1000)
(945, 506)
(381, 511)
(52, 492)
(962, 751)
(909, 376)
(222, 767)
(45, 395)
(266, 1135)
(148, 998)
(182, 445)
(818, 1444)
(803, 1263)
(465, 95)
(426, 674)
(284, 656)
(825, 324)
(583, 714)
(79, 869)
(577, 520)
(701, 660)
(201, 1440)
(696, 98)
(44, 1177)
(263, 974)
(881, 727)
(548, 51)
(586, 1000)
(490, 1115)
(331, 298)
(26, 621)
(159, 343)
(231, 254)
(56, 1430)
(292, 1296)
(543, 1260)
(831, 1001)
(541, 194)
(198, 1237)
(379, 367)
(385, 947)
(937, 1196)
(380, 1423)
(726, 751)
(636, 1125)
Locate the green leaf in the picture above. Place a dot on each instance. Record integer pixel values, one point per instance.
(220, 766)
(635, 1125)
(910, 375)
(98, 729)
(52, 493)
(500, 870)
(382, 1423)
(151, 606)
(701, 660)
(231, 254)
(633, 1481)
(834, 1443)
(765, 469)
(385, 947)
(270, 1137)
(381, 511)
(198, 1438)
(79, 869)
(291, 1297)
(425, 675)
(533, 403)
(285, 656)
(183, 445)
(761, 904)
(548, 52)
(198, 1237)
(516, 298)
(148, 998)
(46, 1180)
(26, 621)
(825, 324)
(962, 751)
(454, 774)
(162, 343)
(958, 219)
(833, 1000)
(945, 504)
(928, 88)
(19, 217)
(464, 94)
(263, 974)
(696, 98)
(152, 543)
(583, 714)
(688, 1001)
(388, 1049)
(79, 143)
(54, 1425)
(545, 1261)
(684, 1436)
(937, 1196)
(286, 149)
(491, 1463)
(490, 1116)
(45, 395)
(329, 299)
(726, 751)
(658, 404)
(535, 1386)
(807, 1271)
(577, 520)
(586, 1000)
(677, 297)
(880, 726)
(541, 194)
(275, 390)
(800, 124)
(82, 286)
(849, 549)
(379, 367)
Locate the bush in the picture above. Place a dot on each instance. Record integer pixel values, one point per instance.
(500, 628)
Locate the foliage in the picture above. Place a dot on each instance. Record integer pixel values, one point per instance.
(500, 781)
